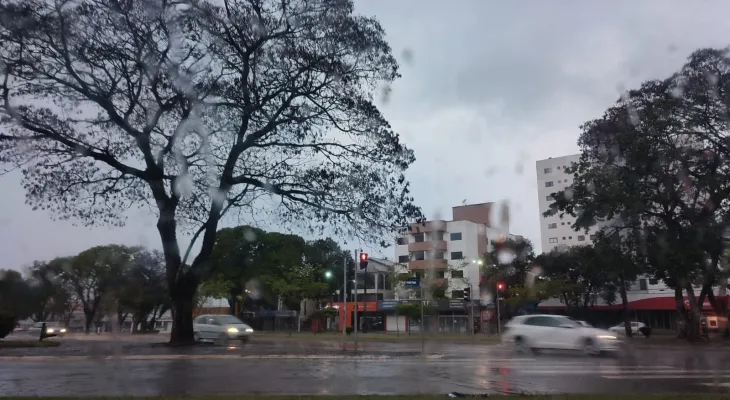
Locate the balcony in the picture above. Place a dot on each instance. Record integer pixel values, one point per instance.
(427, 245)
(428, 226)
(428, 264)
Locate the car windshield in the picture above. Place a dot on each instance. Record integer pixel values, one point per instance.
(229, 320)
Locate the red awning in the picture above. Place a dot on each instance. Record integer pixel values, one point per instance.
(660, 303)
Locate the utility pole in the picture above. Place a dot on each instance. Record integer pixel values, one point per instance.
(344, 299)
(355, 323)
(499, 323)
(423, 338)
(365, 300)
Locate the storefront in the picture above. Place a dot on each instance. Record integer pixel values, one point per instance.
(444, 316)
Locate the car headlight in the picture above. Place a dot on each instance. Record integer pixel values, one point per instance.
(49, 330)
(249, 330)
(232, 330)
(63, 331)
(607, 337)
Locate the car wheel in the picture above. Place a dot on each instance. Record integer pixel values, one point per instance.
(590, 348)
(244, 340)
(522, 346)
(223, 339)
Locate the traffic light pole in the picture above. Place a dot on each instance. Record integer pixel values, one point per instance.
(356, 322)
(499, 323)
(344, 299)
(365, 300)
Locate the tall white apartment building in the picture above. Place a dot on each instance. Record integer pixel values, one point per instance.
(449, 251)
(557, 232)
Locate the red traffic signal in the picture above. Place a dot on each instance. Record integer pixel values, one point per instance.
(500, 287)
(363, 260)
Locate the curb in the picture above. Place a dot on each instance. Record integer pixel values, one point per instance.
(141, 357)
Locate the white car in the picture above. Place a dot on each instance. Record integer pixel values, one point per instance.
(536, 332)
(620, 328)
(220, 329)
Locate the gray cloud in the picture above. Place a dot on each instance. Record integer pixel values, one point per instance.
(488, 88)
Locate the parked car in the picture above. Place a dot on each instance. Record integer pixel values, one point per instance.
(536, 332)
(636, 329)
(583, 323)
(51, 328)
(220, 329)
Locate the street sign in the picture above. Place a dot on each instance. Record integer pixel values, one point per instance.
(413, 283)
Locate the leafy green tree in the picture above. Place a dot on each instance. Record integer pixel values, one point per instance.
(198, 108)
(16, 300)
(51, 297)
(621, 257)
(92, 274)
(141, 290)
(659, 156)
(512, 262)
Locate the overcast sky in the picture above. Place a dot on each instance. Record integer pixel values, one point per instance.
(488, 88)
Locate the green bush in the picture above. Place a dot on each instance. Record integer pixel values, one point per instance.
(16, 299)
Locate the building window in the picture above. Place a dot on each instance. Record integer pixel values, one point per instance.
(549, 184)
(492, 242)
(457, 274)
(403, 259)
(642, 284)
(553, 240)
(562, 223)
(552, 226)
(455, 236)
(436, 235)
(456, 255)
(581, 238)
(441, 274)
(418, 255)
(457, 294)
(592, 237)
(402, 241)
(570, 237)
(547, 170)
(438, 255)
(549, 198)
(563, 237)
(418, 237)
(653, 281)
(558, 166)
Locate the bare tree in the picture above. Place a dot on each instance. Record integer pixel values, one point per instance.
(194, 108)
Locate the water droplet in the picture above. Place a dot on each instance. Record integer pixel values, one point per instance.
(385, 94)
(505, 256)
(249, 235)
(183, 185)
(407, 56)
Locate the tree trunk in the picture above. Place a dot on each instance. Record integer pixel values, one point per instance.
(88, 319)
(682, 315)
(625, 307)
(694, 314)
(183, 303)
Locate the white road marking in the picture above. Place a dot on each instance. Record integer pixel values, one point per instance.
(706, 376)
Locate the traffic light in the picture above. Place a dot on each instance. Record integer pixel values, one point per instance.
(467, 294)
(500, 287)
(363, 260)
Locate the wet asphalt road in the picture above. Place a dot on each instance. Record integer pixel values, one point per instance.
(92, 368)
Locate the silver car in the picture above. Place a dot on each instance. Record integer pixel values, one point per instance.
(51, 328)
(220, 329)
